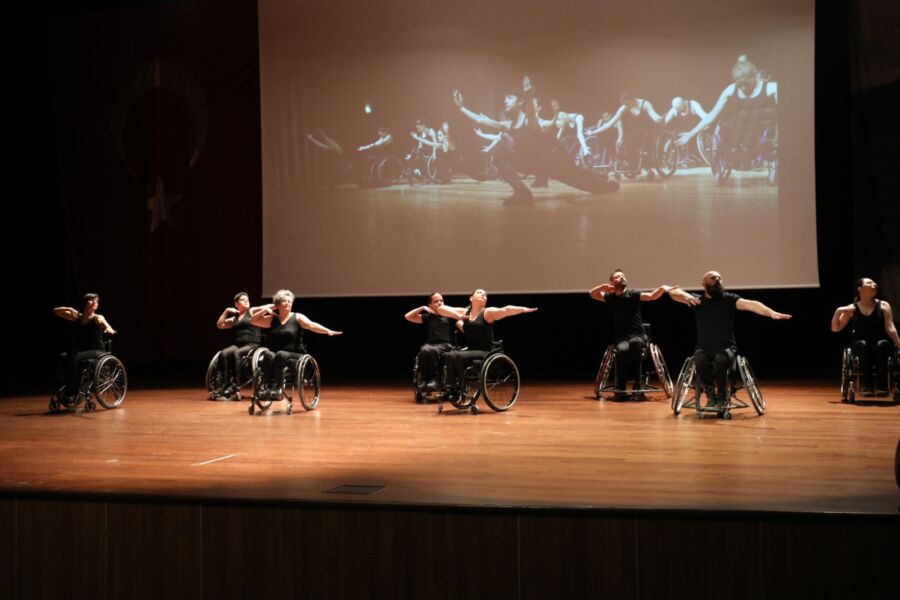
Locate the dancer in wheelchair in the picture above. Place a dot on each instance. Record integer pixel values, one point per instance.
(716, 348)
(476, 321)
(630, 338)
(88, 328)
(439, 338)
(639, 124)
(746, 104)
(873, 335)
(247, 337)
(285, 340)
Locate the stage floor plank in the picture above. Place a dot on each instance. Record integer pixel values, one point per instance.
(558, 447)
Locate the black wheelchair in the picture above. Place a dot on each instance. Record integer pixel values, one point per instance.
(495, 377)
(422, 393)
(757, 149)
(740, 377)
(850, 376)
(642, 386)
(301, 375)
(102, 378)
(657, 155)
(214, 381)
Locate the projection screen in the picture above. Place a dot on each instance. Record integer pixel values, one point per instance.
(534, 147)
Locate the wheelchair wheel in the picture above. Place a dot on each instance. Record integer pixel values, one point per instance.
(258, 381)
(846, 375)
(666, 154)
(431, 168)
(684, 385)
(718, 163)
(309, 382)
(603, 372)
(389, 170)
(500, 382)
(751, 385)
(662, 371)
(214, 381)
(110, 381)
(704, 146)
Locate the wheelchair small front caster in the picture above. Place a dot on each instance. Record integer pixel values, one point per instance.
(89, 406)
(726, 415)
(474, 409)
(290, 408)
(251, 409)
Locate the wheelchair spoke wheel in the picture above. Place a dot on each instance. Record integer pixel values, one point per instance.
(603, 372)
(751, 385)
(662, 371)
(846, 374)
(704, 146)
(684, 385)
(110, 381)
(214, 381)
(258, 385)
(389, 170)
(500, 382)
(666, 154)
(309, 382)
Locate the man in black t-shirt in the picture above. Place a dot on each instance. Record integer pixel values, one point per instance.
(439, 339)
(628, 325)
(716, 346)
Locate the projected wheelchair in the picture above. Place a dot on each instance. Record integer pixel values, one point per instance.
(651, 355)
(660, 156)
(300, 375)
(495, 378)
(740, 378)
(102, 378)
(748, 142)
(215, 383)
(851, 375)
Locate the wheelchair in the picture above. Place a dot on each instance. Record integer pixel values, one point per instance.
(102, 378)
(422, 394)
(687, 390)
(495, 377)
(301, 375)
(600, 159)
(214, 381)
(660, 157)
(651, 353)
(850, 376)
(759, 152)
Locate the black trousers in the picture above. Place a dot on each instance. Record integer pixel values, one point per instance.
(456, 362)
(70, 368)
(873, 354)
(712, 367)
(230, 361)
(431, 358)
(273, 364)
(628, 359)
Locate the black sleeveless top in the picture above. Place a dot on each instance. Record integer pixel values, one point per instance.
(479, 333)
(438, 328)
(88, 335)
(245, 334)
(684, 121)
(287, 337)
(869, 328)
(759, 101)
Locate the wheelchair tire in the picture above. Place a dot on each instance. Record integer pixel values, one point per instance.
(500, 382)
(309, 382)
(751, 385)
(662, 371)
(846, 374)
(704, 146)
(431, 168)
(110, 381)
(603, 372)
(389, 170)
(214, 381)
(684, 385)
(263, 403)
(666, 154)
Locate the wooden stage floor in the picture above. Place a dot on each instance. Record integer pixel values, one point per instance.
(557, 448)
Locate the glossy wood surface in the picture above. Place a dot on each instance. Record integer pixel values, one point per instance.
(558, 447)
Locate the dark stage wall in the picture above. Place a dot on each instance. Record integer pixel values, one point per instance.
(141, 157)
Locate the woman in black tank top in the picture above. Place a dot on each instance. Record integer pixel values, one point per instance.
(89, 328)
(247, 337)
(872, 332)
(285, 339)
(477, 323)
(750, 91)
